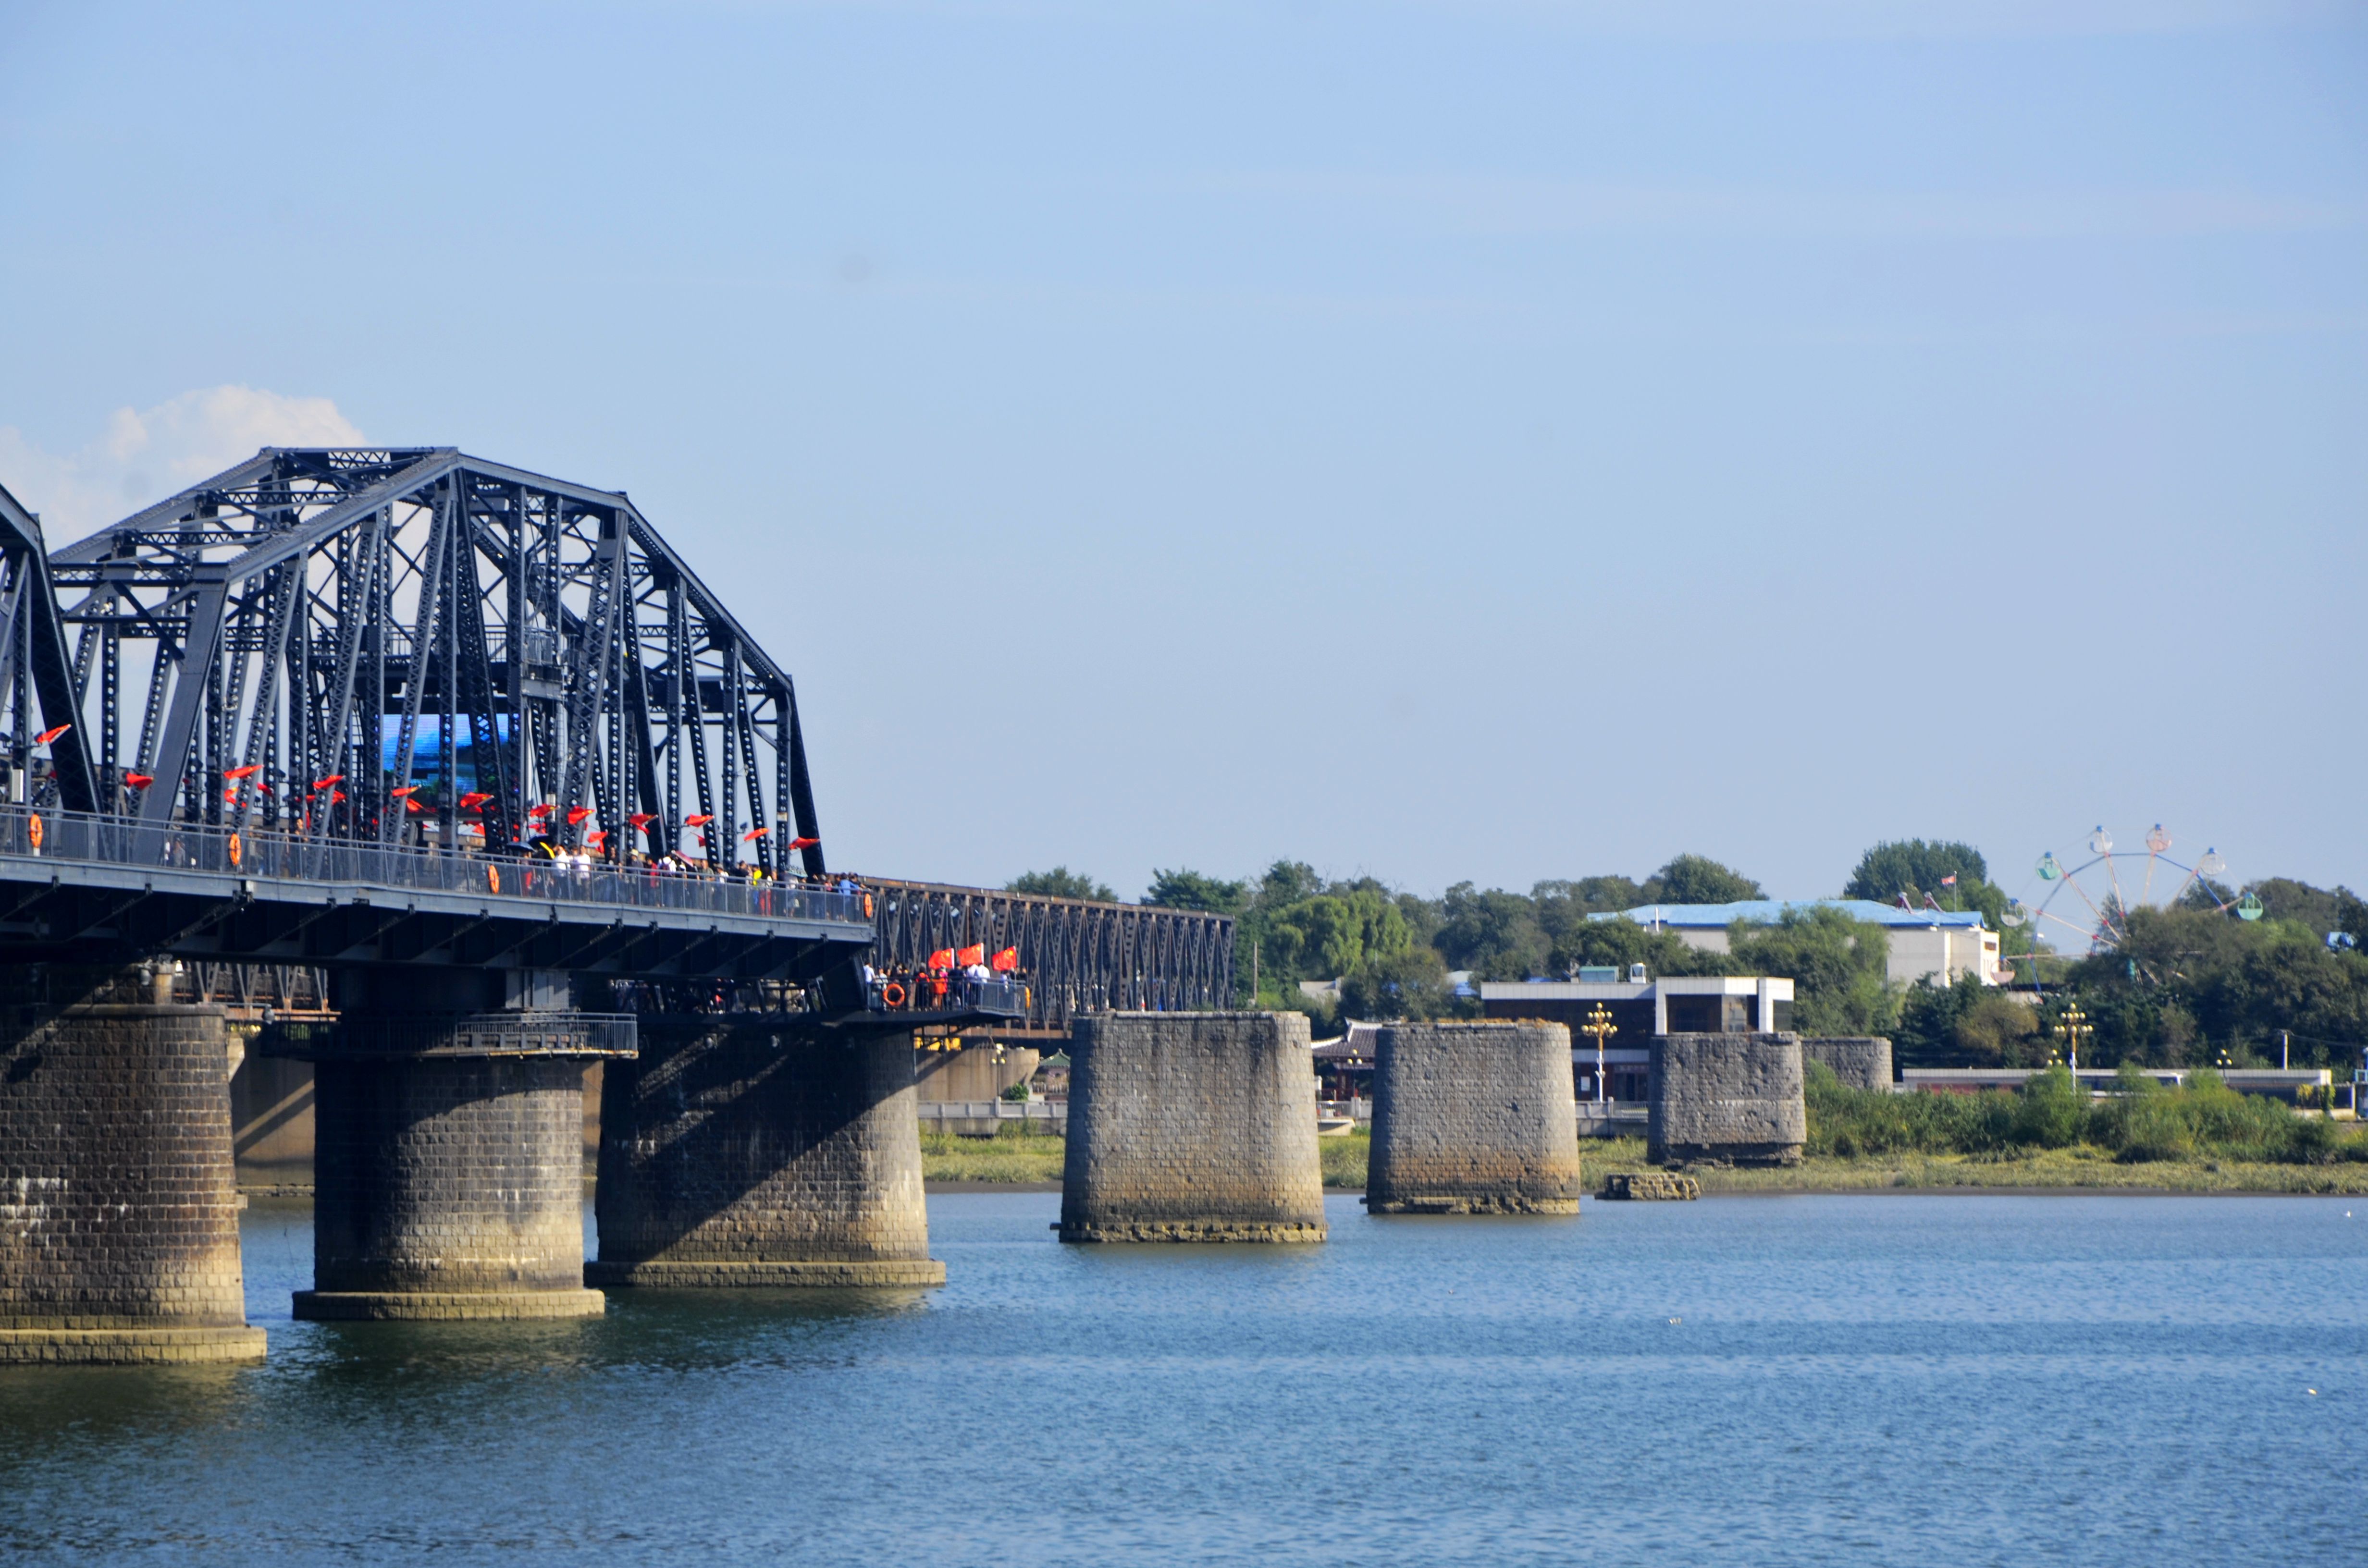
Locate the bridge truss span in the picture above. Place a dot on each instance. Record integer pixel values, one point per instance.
(1077, 956)
(396, 645)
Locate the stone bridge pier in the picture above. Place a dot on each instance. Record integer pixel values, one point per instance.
(449, 1109)
(759, 1149)
(119, 1212)
(1192, 1127)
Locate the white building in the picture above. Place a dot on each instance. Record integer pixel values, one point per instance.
(1638, 1009)
(1937, 942)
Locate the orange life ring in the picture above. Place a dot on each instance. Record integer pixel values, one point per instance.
(234, 850)
(893, 994)
(33, 830)
(494, 879)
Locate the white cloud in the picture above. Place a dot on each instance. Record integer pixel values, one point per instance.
(147, 454)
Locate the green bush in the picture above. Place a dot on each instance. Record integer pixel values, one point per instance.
(2053, 1112)
(2143, 1120)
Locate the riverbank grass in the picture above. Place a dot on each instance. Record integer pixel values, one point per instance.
(1019, 1158)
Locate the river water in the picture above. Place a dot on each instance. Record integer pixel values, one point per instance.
(1824, 1379)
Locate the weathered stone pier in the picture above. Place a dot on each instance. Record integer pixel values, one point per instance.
(1192, 1127)
(761, 1151)
(119, 1215)
(448, 1170)
(1726, 1099)
(1473, 1118)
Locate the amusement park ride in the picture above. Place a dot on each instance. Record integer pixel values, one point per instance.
(2090, 903)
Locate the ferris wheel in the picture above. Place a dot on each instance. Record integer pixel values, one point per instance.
(2089, 904)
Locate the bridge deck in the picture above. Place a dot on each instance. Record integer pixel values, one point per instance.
(77, 886)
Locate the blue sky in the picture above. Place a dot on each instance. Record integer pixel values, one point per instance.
(1494, 441)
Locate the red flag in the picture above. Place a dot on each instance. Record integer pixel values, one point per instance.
(1949, 881)
(1006, 961)
(700, 821)
(473, 799)
(577, 813)
(542, 811)
(332, 779)
(597, 837)
(803, 842)
(753, 834)
(46, 736)
(412, 805)
(140, 780)
(942, 958)
(406, 790)
(336, 795)
(974, 954)
(640, 819)
(242, 772)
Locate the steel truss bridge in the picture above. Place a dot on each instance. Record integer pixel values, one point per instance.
(319, 709)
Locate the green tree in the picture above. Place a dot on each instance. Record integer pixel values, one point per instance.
(1914, 867)
(2321, 909)
(1493, 934)
(1621, 942)
(1181, 889)
(1697, 879)
(1061, 883)
(1411, 984)
(1836, 966)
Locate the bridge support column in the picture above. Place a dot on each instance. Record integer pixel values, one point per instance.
(1192, 1127)
(1726, 1099)
(748, 1151)
(118, 1211)
(1473, 1118)
(449, 1163)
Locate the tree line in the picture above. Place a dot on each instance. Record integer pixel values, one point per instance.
(2193, 986)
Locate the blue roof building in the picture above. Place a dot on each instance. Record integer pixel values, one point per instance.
(1942, 943)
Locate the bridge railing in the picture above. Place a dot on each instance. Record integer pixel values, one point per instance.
(277, 855)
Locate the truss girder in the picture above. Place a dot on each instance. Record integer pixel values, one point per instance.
(1077, 956)
(301, 622)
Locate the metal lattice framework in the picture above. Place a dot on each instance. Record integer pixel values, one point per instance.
(35, 694)
(1077, 955)
(315, 638)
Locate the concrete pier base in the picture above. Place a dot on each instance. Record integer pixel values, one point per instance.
(1192, 1127)
(119, 1212)
(756, 1151)
(448, 1188)
(1473, 1118)
(1726, 1099)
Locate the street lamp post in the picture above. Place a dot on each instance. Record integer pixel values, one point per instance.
(1599, 1024)
(2075, 1027)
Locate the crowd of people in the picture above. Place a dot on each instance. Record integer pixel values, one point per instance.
(949, 980)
